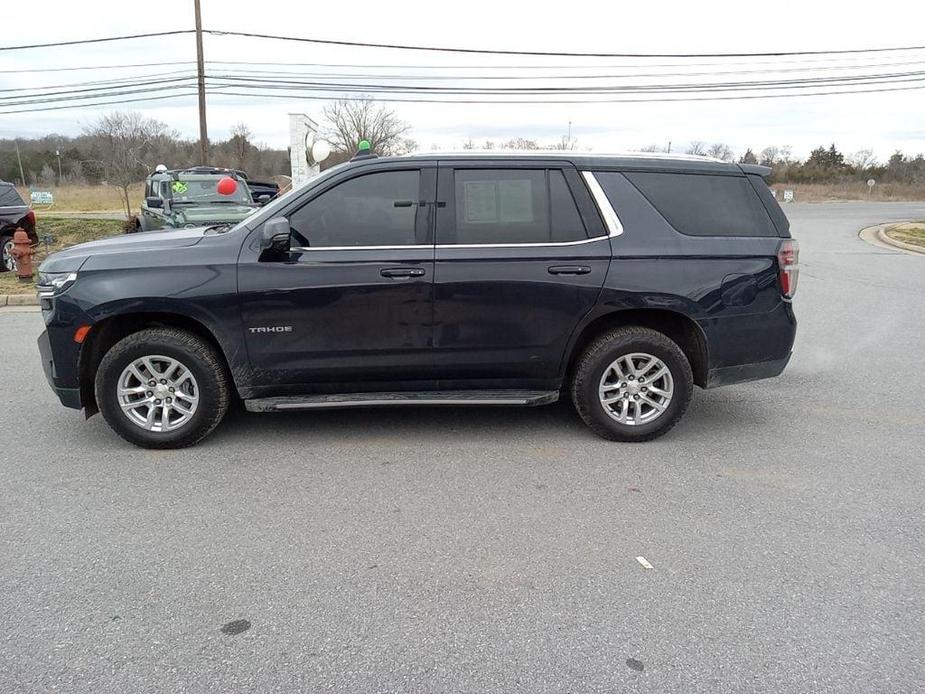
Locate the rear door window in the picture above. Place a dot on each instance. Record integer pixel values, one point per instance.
(512, 206)
(705, 205)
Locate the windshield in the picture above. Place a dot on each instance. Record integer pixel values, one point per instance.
(188, 188)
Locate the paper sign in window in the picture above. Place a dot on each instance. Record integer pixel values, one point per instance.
(499, 202)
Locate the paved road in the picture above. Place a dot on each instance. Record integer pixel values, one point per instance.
(460, 550)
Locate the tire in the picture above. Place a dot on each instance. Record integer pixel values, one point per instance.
(6, 245)
(200, 374)
(594, 374)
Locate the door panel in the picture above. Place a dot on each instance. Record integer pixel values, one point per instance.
(349, 310)
(505, 310)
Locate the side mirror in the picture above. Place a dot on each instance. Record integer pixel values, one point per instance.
(275, 235)
(263, 199)
(154, 201)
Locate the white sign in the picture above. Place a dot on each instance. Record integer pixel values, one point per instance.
(870, 182)
(773, 193)
(788, 196)
(42, 197)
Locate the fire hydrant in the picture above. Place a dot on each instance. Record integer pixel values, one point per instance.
(22, 255)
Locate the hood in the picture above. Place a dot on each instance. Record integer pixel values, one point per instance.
(182, 215)
(71, 259)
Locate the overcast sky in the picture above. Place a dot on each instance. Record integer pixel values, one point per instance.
(883, 122)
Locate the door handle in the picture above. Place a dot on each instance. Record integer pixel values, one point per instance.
(569, 269)
(401, 272)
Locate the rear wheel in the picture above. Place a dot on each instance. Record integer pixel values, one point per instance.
(162, 388)
(632, 384)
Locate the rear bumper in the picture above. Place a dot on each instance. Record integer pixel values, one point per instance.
(69, 397)
(746, 372)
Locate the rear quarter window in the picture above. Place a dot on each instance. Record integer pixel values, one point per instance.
(705, 205)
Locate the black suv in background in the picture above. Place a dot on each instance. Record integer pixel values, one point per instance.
(473, 279)
(14, 214)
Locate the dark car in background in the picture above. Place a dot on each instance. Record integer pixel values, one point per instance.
(183, 198)
(14, 214)
(619, 282)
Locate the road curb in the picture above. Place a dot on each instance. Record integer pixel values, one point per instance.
(875, 235)
(885, 238)
(18, 300)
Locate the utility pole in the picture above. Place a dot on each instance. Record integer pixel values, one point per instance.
(22, 176)
(58, 154)
(201, 78)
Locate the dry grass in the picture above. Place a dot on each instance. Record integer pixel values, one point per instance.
(66, 232)
(856, 190)
(90, 198)
(913, 234)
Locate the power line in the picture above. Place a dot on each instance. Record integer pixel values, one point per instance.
(486, 51)
(512, 77)
(841, 80)
(103, 39)
(96, 67)
(579, 101)
(224, 91)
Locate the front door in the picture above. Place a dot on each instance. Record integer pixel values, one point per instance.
(351, 306)
(521, 257)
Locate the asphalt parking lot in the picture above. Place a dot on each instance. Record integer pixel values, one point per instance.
(495, 550)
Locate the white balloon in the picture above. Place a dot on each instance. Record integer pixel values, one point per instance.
(320, 150)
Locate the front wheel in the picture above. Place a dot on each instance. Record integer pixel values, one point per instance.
(7, 263)
(162, 388)
(632, 384)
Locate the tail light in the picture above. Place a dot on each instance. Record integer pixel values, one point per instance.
(30, 215)
(788, 256)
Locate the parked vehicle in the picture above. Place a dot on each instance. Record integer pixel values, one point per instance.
(188, 198)
(14, 214)
(473, 279)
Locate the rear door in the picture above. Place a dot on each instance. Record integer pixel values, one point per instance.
(521, 256)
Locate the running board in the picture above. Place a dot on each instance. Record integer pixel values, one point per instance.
(522, 398)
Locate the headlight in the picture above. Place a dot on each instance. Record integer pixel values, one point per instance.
(54, 283)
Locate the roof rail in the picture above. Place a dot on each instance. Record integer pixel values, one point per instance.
(564, 152)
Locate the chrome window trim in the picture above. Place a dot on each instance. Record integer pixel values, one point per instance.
(452, 245)
(427, 246)
(614, 226)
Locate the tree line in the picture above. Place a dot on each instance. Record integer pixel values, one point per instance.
(823, 165)
(83, 159)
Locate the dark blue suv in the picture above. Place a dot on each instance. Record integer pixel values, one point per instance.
(451, 279)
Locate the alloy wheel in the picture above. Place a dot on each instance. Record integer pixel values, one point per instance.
(636, 389)
(158, 393)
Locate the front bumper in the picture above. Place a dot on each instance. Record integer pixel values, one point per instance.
(69, 397)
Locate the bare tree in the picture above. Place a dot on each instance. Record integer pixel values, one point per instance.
(347, 122)
(697, 147)
(863, 159)
(720, 151)
(122, 143)
(241, 145)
